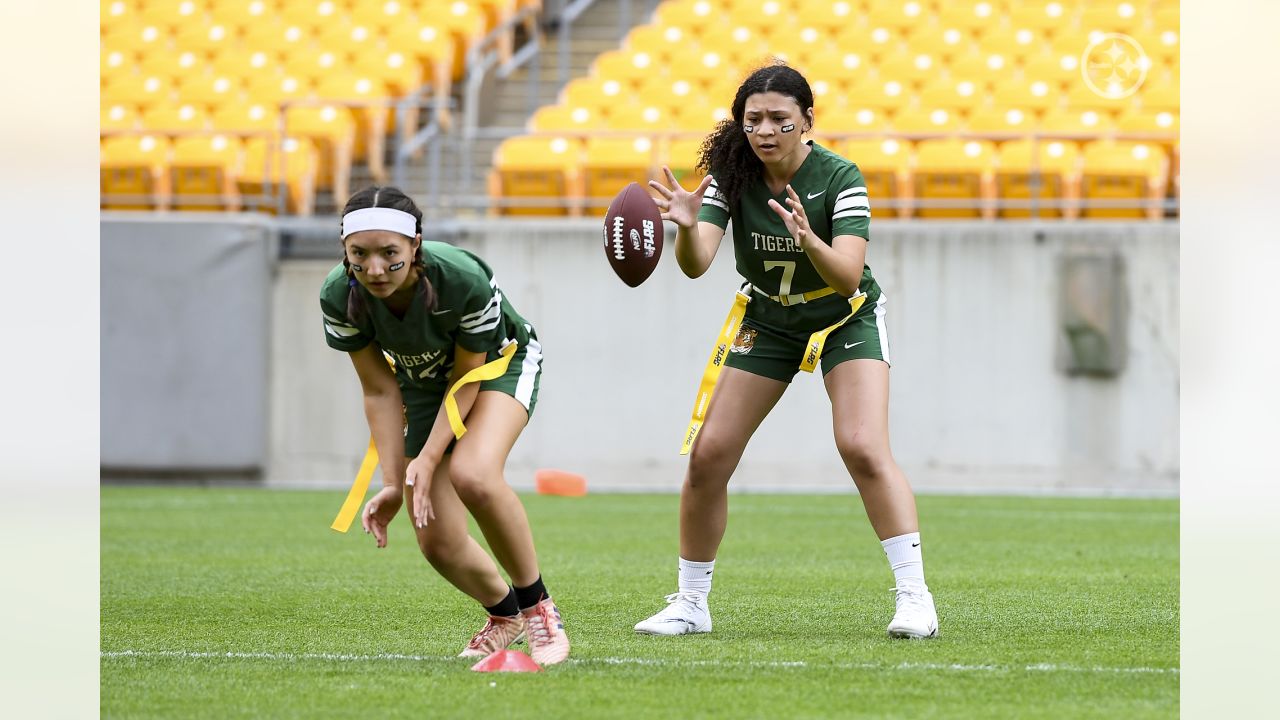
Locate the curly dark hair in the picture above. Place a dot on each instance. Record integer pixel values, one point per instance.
(726, 152)
(388, 197)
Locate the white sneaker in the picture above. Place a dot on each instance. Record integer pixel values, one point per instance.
(916, 617)
(685, 613)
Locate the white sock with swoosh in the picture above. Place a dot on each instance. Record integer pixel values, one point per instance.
(695, 577)
(905, 558)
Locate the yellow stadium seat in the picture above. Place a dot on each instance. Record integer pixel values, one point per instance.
(639, 117)
(274, 35)
(242, 12)
(172, 64)
(174, 13)
(1161, 46)
(928, 120)
(682, 159)
(1053, 68)
(268, 165)
(201, 173)
(1160, 96)
(956, 175)
(138, 89)
(830, 15)
(387, 13)
(313, 13)
(594, 93)
(399, 72)
(914, 69)
(136, 35)
(699, 117)
(1047, 16)
(349, 37)
(1167, 16)
(1029, 95)
(1076, 121)
(117, 116)
(564, 119)
(704, 69)
(112, 12)
(890, 94)
(113, 62)
(1134, 174)
(539, 170)
(995, 67)
(902, 16)
(168, 118)
(466, 22)
(1001, 119)
(209, 89)
(872, 42)
(334, 131)
(1112, 16)
(977, 16)
(1014, 46)
(1057, 166)
(276, 89)
(246, 117)
(943, 41)
(656, 40)
(693, 17)
(1155, 121)
(246, 67)
(629, 68)
(883, 164)
(610, 163)
(204, 39)
(129, 172)
(1080, 96)
(955, 93)
(313, 62)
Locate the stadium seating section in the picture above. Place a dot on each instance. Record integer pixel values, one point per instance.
(217, 104)
(971, 108)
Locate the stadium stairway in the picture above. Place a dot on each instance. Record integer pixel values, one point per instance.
(505, 109)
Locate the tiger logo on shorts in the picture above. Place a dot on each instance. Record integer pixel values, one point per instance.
(745, 341)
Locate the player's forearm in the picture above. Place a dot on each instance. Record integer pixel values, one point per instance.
(386, 423)
(441, 431)
(691, 256)
(842, 272)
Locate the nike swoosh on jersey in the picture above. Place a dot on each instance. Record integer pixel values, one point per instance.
(849, 345)
(814, 195)
(441, 312)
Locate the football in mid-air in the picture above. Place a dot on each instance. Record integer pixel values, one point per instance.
(633, 234)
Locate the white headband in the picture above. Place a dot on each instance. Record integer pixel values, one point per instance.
(379, 218)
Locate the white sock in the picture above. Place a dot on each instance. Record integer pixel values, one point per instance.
(905, 559)
(695, 577)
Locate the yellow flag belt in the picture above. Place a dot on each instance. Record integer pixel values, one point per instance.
(488, 371)
(724, 342)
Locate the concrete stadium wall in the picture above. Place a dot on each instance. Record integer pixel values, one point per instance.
(977, 402)
(184, 348)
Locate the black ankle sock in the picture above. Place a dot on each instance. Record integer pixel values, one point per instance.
(532, 595)
(509, 607)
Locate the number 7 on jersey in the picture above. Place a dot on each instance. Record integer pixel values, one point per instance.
(788, 272)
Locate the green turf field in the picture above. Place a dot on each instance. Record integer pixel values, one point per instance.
(244, 604)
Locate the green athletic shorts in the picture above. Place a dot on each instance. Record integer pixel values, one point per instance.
(521, 381)
(772, 339)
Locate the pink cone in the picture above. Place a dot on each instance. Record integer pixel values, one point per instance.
(507, 661)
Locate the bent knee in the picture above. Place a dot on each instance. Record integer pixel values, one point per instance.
(866, 456)
(711, 461)
(474, 481)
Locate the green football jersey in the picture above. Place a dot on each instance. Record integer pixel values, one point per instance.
(835, 201)
(471, 311)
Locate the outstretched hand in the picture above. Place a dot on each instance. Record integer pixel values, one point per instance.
(418, 476)
(380, 511)
(793, 216)
(678, 205)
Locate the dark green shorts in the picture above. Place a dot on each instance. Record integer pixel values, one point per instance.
(771, 344)
(521, 381)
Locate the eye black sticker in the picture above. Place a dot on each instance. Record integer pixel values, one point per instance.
(396, 267)
(749, 128)
(357, 268)
(788, 128)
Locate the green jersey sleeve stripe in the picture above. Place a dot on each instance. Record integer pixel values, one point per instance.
(494, 302)
(493, 312)
(851, 213)
(480, 330)
(857, 201)
(340, 332)
(851, 191)
(708, 200)
(336, 322)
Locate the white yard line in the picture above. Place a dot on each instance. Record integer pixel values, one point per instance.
(653, 662)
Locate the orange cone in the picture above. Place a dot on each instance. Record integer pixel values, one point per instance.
(559, 482)
(507, 661)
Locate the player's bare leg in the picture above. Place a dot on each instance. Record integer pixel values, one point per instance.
(479, 458)
(740, 403)
(859, 392)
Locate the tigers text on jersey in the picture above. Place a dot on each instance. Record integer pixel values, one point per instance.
(470, 312)
(834, 197)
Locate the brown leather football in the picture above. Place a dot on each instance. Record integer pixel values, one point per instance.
(633, 234)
